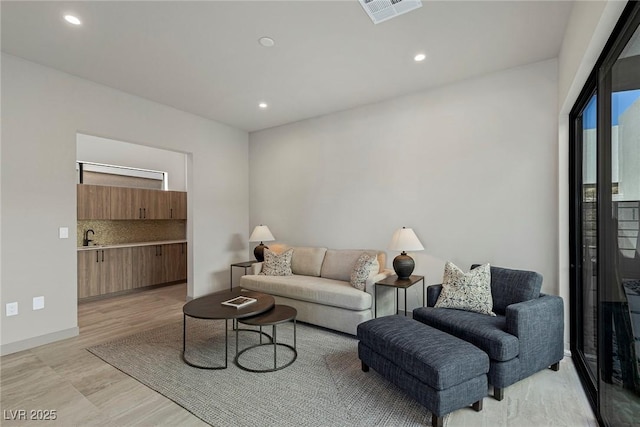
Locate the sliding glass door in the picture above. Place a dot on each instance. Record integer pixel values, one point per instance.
(605, 228)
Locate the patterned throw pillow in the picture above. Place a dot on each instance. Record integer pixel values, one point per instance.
(277, 265)
(466, 291)
(362, 270)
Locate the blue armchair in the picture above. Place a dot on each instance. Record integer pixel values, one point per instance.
(524, 337)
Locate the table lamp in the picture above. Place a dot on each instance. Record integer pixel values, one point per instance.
(261, 234)
(404, 240)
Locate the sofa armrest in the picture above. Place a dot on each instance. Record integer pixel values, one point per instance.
(539, 326)
(386, 296)
(433, 292)
(256, 268)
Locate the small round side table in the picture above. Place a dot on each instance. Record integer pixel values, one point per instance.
(277, 315)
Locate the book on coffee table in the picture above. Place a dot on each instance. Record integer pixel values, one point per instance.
(239, 302)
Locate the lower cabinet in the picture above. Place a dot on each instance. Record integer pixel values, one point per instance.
(104, 271)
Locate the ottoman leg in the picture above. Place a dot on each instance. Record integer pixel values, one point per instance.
(437, 421)
(478, 406)
(555, 366)
(365, 368)
(498, 393)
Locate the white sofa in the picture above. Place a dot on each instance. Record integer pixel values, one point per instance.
(320, 287)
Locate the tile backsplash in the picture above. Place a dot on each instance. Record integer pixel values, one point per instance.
(117, 232)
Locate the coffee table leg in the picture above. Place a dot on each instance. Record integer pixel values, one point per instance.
(294, 334)
(274, 347)
(184, 333)
(226, 342)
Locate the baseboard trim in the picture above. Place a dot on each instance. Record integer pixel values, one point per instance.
(14, 347)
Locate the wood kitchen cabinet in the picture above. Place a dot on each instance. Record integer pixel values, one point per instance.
(174, 262)
(93, 201)
(178, 205)
(103, 271)
(137, 203)
(156, 264)
(147, 266)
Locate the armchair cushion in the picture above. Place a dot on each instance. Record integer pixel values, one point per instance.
(485, 332)
(512, 286)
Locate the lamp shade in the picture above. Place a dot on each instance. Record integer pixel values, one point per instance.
(261, 234)
(404, 239)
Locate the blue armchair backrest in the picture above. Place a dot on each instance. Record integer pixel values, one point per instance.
(512, 286)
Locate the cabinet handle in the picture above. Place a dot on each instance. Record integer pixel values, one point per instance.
(145, 213)
(160, 250)
(171, 214)
(97, 256)
(140, 214)
(103, 255)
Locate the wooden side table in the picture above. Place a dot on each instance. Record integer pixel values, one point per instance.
(395, 282)
(244, 264)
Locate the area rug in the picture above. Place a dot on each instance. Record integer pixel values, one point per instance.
(325, 386)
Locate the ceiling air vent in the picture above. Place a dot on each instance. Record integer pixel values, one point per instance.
(381, 10)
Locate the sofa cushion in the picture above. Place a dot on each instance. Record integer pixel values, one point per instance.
(485, 332)
(312, 289)
(277, 265)
(512, 286)
(466, 291)
(339, 263)
(307, 261)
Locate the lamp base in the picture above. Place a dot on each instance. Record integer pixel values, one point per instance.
(403, 265)
(258, 252)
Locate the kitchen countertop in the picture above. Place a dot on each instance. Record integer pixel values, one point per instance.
(130, 245)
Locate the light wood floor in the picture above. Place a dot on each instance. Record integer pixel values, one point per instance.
(84, 390)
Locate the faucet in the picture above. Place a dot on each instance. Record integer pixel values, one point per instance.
(86, 240)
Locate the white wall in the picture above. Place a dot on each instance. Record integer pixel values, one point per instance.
(471, 167)
(108, 151)
(42, 110)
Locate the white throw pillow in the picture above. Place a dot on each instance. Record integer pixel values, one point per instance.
(466, 291)
(362, 270)
(277, 265)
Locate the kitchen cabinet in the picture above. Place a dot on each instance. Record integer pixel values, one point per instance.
(103, 271)
(137, 203)
(106, 270)
(147, 266)
(178, 205)
(156, 264)
(174, 262)
(93, 201)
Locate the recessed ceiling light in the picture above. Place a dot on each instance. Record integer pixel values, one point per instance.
(420, 57)
(72, 19)
(266, 41)
(263, 105)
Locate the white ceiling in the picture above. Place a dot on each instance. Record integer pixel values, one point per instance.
(204, 57)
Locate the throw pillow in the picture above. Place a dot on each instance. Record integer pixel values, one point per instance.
(277, 265)
(362, 270)
(466, 291)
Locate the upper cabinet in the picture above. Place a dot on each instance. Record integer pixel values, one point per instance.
(178, 208)
(102, 202)
(93, 202)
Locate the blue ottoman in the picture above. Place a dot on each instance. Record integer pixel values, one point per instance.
(442, 372)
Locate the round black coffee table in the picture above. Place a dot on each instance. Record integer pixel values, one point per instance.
(210, 307)
(277, 315)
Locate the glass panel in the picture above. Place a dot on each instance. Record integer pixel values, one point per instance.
(620, 296)
(589, 237)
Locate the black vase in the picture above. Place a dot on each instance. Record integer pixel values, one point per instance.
(258, 252)
(403, 265)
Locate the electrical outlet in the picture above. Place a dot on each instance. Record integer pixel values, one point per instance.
(63, 233)
(38, 303)
(12, 309)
